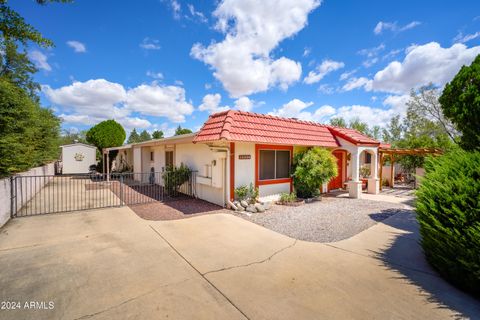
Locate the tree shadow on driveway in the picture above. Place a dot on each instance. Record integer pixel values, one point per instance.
(405, 256)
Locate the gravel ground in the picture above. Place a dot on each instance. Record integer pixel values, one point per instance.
(329, 220)
(172, 210)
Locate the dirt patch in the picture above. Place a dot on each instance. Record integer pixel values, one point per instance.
(176, 209)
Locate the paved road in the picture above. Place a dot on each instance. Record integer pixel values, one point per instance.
(111, 264)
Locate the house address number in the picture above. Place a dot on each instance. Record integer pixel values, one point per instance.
(244, 157)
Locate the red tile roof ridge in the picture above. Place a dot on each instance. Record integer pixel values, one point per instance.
(262, 115)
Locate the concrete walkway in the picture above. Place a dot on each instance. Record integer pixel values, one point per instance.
(112, 264)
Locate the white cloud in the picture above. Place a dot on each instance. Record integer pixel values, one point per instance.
(98, 99)
(393, 26)
(461, 38)
(244, 104)
(40, 60)
(346, 75)
(242, 62)
(423, 64)
(371, 54)
(177, 9)
(293, 109)
(398, 103)
(326, 89)
(77, 46)
(211, 103)
(355, 83)
(208, 86)
(196, 14)
(159, 101)
(322, 70)
(155, 75)
(150, 44)
(306, 52)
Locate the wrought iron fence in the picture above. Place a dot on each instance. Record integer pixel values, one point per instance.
(34, 195)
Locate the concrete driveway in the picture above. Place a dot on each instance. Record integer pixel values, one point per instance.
(111, 264)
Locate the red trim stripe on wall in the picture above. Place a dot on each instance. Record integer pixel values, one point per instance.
(232, 171)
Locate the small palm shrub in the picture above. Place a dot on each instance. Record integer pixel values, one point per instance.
(312, 168)
(448, 210)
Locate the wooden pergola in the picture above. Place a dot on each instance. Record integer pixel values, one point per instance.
(393, 152)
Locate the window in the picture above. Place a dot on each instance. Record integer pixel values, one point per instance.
(151, 156)
(274, 164)
(368, 157)
(168, 158)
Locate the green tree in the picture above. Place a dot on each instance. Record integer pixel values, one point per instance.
(338, 122)
(312, 168)
(145, 136)
(134, 137)
(15, 64)
(28, 133)
(105, 134)
(157, 134)
(393, 133)
(69, 137)
(359, 126)
(448, 211)
(460, 102)
(180, 131)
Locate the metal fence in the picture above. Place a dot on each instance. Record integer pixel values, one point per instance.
(35, 195)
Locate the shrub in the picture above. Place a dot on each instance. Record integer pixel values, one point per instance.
(241, 193)
(247, 193)
(313, 167)
(448, 208)
(288, 197)
(174, 177)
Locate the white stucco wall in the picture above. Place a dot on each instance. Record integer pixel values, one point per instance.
(137, 160)
(274, 189)
(196, 157)
(27, 193)
(244, 169)
(72, 166)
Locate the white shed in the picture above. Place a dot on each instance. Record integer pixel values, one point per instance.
(78, 157)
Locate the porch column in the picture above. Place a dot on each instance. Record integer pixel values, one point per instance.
(355, 186)
(373, 181)
(107, 164)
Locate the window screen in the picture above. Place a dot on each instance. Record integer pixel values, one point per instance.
(274, 164)
(283, 164)
(267, 164)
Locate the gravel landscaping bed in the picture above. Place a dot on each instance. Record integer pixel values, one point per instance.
(329, 220)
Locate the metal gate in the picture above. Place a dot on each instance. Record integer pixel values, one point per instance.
(45, 194)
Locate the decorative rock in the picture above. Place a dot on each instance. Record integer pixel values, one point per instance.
(259, 207)
(240, 208)
(244, 203)
(251, 208)
(266, 204)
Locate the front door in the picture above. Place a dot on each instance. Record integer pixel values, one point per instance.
(336, 183)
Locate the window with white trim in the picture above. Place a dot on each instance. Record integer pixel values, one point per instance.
(274, 164)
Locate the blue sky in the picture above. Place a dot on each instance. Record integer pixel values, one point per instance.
(158, 64)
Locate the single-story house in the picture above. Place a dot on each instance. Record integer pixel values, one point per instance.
(76, 158)
(236, 148)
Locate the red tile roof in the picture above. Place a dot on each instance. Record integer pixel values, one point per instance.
(242, 126)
